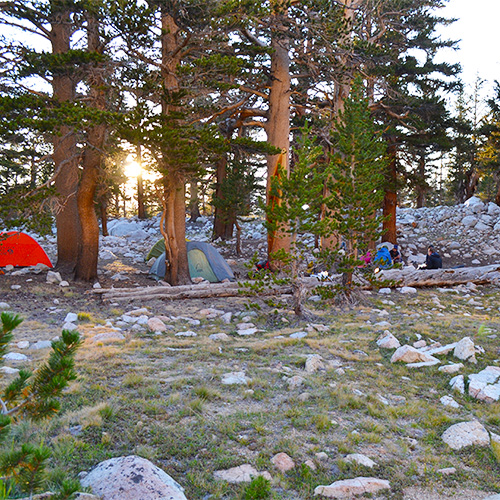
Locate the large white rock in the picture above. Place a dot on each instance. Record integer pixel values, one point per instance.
(493, 209)
(485, 385)
(408, 354)
(348, 488)
(132, 478)
(465, 350)
(139, 235)
(472, 201)
(464, 434)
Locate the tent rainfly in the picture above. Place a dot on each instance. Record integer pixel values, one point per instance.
(204, 262)
(21, 250)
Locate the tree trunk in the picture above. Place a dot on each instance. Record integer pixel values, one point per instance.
(278, 123)
(497, 197)
(421, 182)
(65, 149)
(194, 205)
(223, 221)
(391, 196)
(103, 209)
(472, 177)
(141, 209)
(86, 267)
(173, 223)
(173, 229)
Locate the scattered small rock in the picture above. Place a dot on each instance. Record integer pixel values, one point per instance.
(224, 337)
(447, 471)
(235, 378)
(314, 362)
(107, 337)
(465, 350)
(449, 401)
(15, 356)
(71, 318)
(156, 325)
(295, 382)
(454, 368)
(408, 354)
(464, 434)
(360, 459)
(283, 462)
(241, 474)
(348, 488)
(388, 341)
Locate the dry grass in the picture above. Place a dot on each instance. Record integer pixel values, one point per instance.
(161, 397)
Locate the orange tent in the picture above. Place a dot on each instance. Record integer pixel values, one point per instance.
(20, 249)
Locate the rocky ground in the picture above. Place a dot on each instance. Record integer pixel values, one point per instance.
(210, 389)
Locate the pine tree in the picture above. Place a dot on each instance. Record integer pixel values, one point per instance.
(33, 396)
(356, 180)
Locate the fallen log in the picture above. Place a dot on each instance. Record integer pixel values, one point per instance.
(187, 291)
(408, 276)
(418, 278)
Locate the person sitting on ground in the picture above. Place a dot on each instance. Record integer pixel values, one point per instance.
(433, 259)
(366, 259)
(395, 255)
(382, 258)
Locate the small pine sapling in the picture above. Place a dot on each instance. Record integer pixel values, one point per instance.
(33, 396)
(355, 181)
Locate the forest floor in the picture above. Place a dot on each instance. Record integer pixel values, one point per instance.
(161, 396)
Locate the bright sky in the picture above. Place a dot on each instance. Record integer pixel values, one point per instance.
(478, 30)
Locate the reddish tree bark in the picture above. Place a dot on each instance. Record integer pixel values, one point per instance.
(173, 224)
(278, 123)
(65, 150)
(391, 196)
(88, 250)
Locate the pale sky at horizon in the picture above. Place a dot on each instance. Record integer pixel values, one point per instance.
(477, 28)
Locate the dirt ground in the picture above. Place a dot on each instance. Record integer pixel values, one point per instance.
(160, 396)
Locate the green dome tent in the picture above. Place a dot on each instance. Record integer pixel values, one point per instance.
(203, 259)
(156, 250)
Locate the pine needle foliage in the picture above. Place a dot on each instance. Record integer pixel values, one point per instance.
(356, 179)
(348, 209)
(33, 396)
